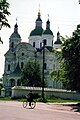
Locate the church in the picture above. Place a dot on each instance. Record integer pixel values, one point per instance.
(21, 52)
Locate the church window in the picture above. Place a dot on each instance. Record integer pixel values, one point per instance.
(33, 44)
(9, 67)
(40, 44)
(12, 45)
(45, 42)
(45, 65)
(22, 54)
(52, 42)
(12, 82)
(22, 65)
(14, 54)
(19, 82)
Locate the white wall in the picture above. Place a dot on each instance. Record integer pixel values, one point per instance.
(19, 91)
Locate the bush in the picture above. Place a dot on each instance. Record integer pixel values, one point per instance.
(36, 95)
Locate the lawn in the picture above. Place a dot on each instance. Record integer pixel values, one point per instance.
(54, 100)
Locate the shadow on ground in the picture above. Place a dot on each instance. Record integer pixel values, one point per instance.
(75, 107)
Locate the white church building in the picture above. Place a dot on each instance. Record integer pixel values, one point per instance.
(21, 52)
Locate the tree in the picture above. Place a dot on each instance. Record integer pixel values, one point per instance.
(71, 56)
(69, 70)
(31, 74)
(4, 5)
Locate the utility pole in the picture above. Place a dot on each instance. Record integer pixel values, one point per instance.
(44, 43)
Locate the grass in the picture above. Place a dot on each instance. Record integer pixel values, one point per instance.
(5, 98)
(62, 100)
(54, 100)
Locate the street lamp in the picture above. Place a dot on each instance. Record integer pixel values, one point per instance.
(44, 43)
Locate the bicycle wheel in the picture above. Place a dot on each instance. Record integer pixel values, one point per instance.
(25, 104)
(33, 104)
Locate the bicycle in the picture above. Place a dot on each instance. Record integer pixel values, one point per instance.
(26, 103)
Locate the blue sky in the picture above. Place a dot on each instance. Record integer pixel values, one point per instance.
(63, 15)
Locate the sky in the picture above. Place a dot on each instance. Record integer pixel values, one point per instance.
(63, 15)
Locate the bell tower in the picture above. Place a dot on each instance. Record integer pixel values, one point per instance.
(15, 38)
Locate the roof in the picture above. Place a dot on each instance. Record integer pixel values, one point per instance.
(15, 35)
(48, 47)
(58, 41)
(48, 31)
(36, 31)
(38, 19)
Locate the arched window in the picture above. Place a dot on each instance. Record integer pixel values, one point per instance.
(33, 44)
(19, 82)
(40, 44)
(12, 82)
(52, 42)
(12, 45)
(22, 65)
(9, 67)
(22, 54)
(45, 42)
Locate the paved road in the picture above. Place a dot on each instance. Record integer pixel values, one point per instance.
(12, 110)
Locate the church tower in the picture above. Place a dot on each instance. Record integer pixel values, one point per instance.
(35, 38)
(14, 39)
(58, 42)
(48, 35)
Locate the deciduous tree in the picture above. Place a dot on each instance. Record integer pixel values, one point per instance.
(31, 75)
(4, 5)
(69, 69)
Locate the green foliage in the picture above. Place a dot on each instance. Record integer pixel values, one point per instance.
(41, 100)
(4, 5)
(31, 75)
(50, 100)
(69, 70)
(71, 56)
(5, 98)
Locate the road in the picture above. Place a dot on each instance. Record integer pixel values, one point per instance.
(13, 110)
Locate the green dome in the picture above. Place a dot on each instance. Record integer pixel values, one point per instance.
(15, 35)
(39, 19)
(48, 31)
(36, 31)
(58, 41)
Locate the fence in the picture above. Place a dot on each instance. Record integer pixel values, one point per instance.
(20, 91)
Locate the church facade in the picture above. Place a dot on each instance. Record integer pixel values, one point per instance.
(21, 52)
